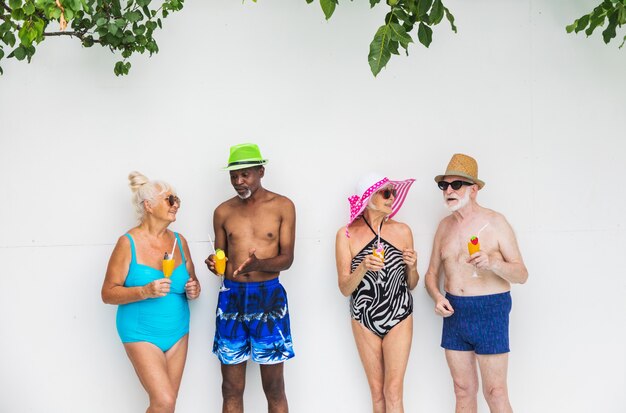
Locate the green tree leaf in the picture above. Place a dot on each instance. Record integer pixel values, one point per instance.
(423, 6)
(328, 7)
(15, 4)
(400, 14)
(9, 38)
(436, 13)
(450, 18)
(610, 32)
(379, 50)
(29, 8)
(19, 53)
(582, 23)
(425, 34)
(400, 35)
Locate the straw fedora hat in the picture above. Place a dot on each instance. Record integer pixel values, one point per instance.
(462, 165)
(244, 155)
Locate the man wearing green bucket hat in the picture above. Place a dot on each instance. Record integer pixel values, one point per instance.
(256, 230)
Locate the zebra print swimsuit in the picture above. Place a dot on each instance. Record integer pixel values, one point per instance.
(379, 307)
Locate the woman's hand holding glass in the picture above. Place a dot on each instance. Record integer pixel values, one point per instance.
(373, 263)
(157, 288)
(192, 289)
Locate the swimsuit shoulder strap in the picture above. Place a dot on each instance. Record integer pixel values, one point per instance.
(132, 249)
(370, 227)
(180, 247)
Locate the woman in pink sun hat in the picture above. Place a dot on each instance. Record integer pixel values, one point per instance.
(377, 268)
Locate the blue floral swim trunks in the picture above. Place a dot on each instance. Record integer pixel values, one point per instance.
(252, 320)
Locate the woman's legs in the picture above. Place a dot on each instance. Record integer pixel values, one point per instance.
(159, 373)
(370, 348)
(396, 349)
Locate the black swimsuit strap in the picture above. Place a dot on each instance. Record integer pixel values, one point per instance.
(370, 227)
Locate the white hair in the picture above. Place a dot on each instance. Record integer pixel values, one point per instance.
(461, 202)
(145, 190)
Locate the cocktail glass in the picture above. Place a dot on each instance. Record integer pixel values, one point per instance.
(220, 266)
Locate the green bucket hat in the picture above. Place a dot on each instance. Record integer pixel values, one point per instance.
(244, 155)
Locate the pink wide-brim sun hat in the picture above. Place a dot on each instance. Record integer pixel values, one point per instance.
(368, 186)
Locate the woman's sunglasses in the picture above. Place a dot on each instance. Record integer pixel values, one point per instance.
(456, 185)
(387, 192)
(172, 199)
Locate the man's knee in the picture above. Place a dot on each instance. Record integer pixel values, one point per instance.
(274, 388)
(465, 389)
(232, 388)
(496, 394)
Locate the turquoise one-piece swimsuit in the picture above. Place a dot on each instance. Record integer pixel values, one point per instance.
(161, 321)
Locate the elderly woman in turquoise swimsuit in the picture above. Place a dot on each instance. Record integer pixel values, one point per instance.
(377, 268)
(153, 314)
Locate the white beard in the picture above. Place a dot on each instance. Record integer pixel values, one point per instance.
(246, 195)
(460, 203)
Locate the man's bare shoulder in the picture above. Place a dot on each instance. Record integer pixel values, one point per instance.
(225, 206)
(494, 217)
(281, 201)
(446, 222)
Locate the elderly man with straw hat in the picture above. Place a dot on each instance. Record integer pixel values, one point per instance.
(478, 253)
(256, 230)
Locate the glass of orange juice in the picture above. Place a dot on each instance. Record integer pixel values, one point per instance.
(220, 266)
(473, 247)
(168, 265)
(379, 252)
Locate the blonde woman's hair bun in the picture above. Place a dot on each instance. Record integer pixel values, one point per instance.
(137, 180)
(145, 190)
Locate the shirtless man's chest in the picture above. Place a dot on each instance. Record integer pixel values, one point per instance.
(454, 256)
(252, 227)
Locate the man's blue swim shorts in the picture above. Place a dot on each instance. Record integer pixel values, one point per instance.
(252, 320)
(479, 324)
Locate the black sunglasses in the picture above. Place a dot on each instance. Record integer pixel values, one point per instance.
(456, 185)
(173, 199)
(387, 192)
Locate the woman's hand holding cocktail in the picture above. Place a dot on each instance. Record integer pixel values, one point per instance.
(373, 263)
(192, 289)
(157, 288)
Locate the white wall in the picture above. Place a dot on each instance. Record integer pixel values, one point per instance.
(541, 110)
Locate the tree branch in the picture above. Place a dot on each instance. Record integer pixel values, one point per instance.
(80, 35)
(7, 8)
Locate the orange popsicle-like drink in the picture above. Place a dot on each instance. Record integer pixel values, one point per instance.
(379, 252)
(168, 265)
(220, 261)
(473, 246)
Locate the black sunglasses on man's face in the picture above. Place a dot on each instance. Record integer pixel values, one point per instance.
(456, 185)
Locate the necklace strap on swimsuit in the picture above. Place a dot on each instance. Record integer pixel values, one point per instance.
(370, 227)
